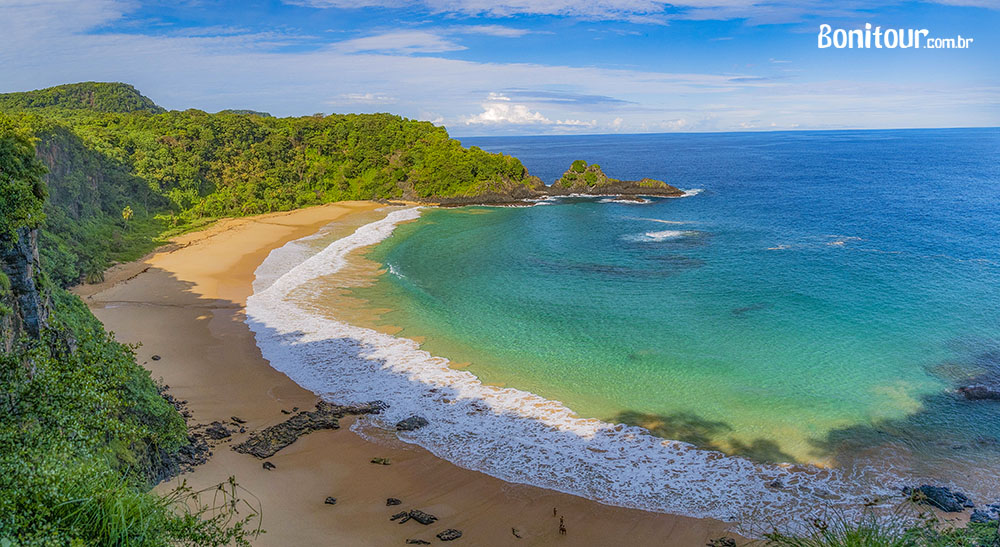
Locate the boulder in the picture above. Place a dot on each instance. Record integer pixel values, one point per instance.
(421, 517)
(411, 423)
(392, 501)
(940, 497)
(450, 534)
(981, 392)
(330, 500)
(417, 542)
(268, 466)
(216, 431)
(981, 517)
(266, 443)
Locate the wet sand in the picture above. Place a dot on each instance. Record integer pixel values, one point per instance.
(184, 303)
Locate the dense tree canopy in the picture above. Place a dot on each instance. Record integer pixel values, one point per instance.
(108, 148)
(22, 191)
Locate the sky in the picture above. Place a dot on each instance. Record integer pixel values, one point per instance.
(523, 67)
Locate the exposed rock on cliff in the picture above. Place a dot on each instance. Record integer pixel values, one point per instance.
(25, 308)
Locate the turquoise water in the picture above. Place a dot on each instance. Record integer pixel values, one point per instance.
(817, 302)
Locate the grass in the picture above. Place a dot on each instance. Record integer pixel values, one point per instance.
(906, 526)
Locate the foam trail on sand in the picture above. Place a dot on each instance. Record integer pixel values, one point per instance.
(508, 433)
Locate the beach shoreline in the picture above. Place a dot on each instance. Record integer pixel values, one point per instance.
(185, 304)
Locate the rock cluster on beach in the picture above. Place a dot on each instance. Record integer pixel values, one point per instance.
(941, 497)
(411, 423)
(266, 443)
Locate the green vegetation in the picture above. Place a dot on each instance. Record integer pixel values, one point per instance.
(590, 179)
(582, 177)
(108, 148)
(22, 191)
(83, 428)
(902, 528)
(91, 96)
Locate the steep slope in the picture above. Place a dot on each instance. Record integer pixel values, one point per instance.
(84, 430)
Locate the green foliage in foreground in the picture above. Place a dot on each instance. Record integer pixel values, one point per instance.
(82, 426)
(895, 530)
(108, 147)
(21, 190)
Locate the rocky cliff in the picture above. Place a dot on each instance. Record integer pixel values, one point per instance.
(24, 306)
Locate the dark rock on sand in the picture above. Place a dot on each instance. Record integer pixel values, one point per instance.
(238, 420)
(940, 497)
(404, 515)
(417, 542)
(392, 501)
(450, 534)
(155, 357)
(330, 500)
(981, 517)
(268, 466)
(382, 461)
(421, 517)
(266, 443)
(216, 431)
(981, 392)
(411, 423)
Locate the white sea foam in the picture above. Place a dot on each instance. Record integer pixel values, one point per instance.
(662, 235)
(662, 221)
(507, 433)
(395, 272)
(639, 201)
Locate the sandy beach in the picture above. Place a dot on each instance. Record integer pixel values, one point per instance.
(184, 304)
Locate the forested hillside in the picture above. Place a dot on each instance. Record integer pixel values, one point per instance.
(84, 431)
(91, 96)
(123, 171)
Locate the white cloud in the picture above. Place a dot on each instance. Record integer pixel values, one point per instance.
(233, 71)
(489, 30)
(404, 41)
(642, 11)
(362, 98)
(499, 110)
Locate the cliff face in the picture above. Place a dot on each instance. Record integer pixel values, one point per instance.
(25, 307)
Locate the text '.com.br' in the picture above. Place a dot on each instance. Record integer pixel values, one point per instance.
(890, 38)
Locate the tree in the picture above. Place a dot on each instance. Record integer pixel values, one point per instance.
(22, 190)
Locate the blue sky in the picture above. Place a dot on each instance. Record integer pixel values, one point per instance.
(523, 66)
